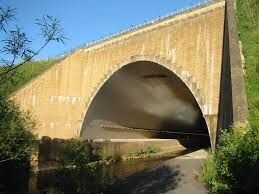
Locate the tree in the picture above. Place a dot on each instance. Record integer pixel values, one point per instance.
(16, 44)
(16, 139)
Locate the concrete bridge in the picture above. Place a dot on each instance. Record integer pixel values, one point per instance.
(176, 75)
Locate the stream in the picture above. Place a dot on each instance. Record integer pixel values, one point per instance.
(73, 181)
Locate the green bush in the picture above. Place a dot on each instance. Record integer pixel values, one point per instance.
(80, 172)
(16, 145)
(234, 168)
(78, 153)
(16, 140)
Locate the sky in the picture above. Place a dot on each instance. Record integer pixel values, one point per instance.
(87, 20)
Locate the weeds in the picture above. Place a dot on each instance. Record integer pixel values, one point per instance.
(146, 151)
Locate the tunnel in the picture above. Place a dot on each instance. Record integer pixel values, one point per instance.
(144, 99)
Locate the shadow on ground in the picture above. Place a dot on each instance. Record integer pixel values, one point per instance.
(157, 180)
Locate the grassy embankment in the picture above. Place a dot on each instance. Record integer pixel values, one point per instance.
(24, 74)
(247, 15)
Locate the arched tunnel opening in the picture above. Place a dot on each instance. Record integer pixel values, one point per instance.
(145, 100)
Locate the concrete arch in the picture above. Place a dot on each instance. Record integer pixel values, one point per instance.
(189, 44)
(183, 75)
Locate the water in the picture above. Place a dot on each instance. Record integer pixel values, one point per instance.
(76, 181)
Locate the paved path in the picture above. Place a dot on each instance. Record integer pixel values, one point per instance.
(174, 176)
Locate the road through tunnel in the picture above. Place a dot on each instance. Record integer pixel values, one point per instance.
(145, 100)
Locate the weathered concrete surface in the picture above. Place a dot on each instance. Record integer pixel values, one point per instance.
(233, 108)
(50, 150)
(239, 100)
(189, 44)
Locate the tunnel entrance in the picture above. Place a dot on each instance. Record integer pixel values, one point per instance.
(145, 100)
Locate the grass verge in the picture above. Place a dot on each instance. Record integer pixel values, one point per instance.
(24, 74)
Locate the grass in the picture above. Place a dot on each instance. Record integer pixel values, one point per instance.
(247, 15)
(24, 74)
(145, 151)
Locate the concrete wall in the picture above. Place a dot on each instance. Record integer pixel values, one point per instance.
(239, 100)
(233, 107)
(190, 45)
(51, 150)
(226, 102)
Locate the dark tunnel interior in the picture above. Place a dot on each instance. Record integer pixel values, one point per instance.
(144, 100)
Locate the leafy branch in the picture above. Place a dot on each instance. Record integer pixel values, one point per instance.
(16, 44)
(6, 15)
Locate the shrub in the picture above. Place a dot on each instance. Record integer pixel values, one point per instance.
(79, 172)
(16, 140)
(234, 168)
(16, 145)
(78, 153)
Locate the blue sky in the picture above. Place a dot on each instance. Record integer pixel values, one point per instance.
(87, 20)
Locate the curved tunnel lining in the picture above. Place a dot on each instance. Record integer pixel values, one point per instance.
(142, 95)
